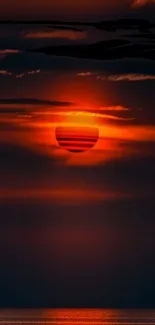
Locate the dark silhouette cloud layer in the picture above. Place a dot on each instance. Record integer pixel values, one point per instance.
(104, 50)
(32, 101)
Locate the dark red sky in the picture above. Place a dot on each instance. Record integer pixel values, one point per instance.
(66, 8)
(69, 7)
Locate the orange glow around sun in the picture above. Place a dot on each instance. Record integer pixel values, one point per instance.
(50, 130)
(103, 142)
(80, 137)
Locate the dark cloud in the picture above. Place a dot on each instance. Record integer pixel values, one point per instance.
(104, 50)
(144, 36)
(32, 101)
(121, 47)
(30, 61)
(108, 25)
(61, 27)
(125, 24)
(139, 43)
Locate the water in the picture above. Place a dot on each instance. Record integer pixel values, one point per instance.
(77, 316)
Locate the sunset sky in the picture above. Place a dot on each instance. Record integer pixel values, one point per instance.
(77, 228)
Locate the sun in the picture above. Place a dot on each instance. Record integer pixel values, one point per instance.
(77, 131)
(77, 139)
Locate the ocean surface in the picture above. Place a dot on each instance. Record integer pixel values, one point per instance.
(77, 316)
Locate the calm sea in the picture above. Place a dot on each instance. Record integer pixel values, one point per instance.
(77, 316)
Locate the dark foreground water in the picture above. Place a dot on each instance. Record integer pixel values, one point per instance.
(77, 316)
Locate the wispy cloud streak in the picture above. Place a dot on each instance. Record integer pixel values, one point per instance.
(119, 77)
(127, 77)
